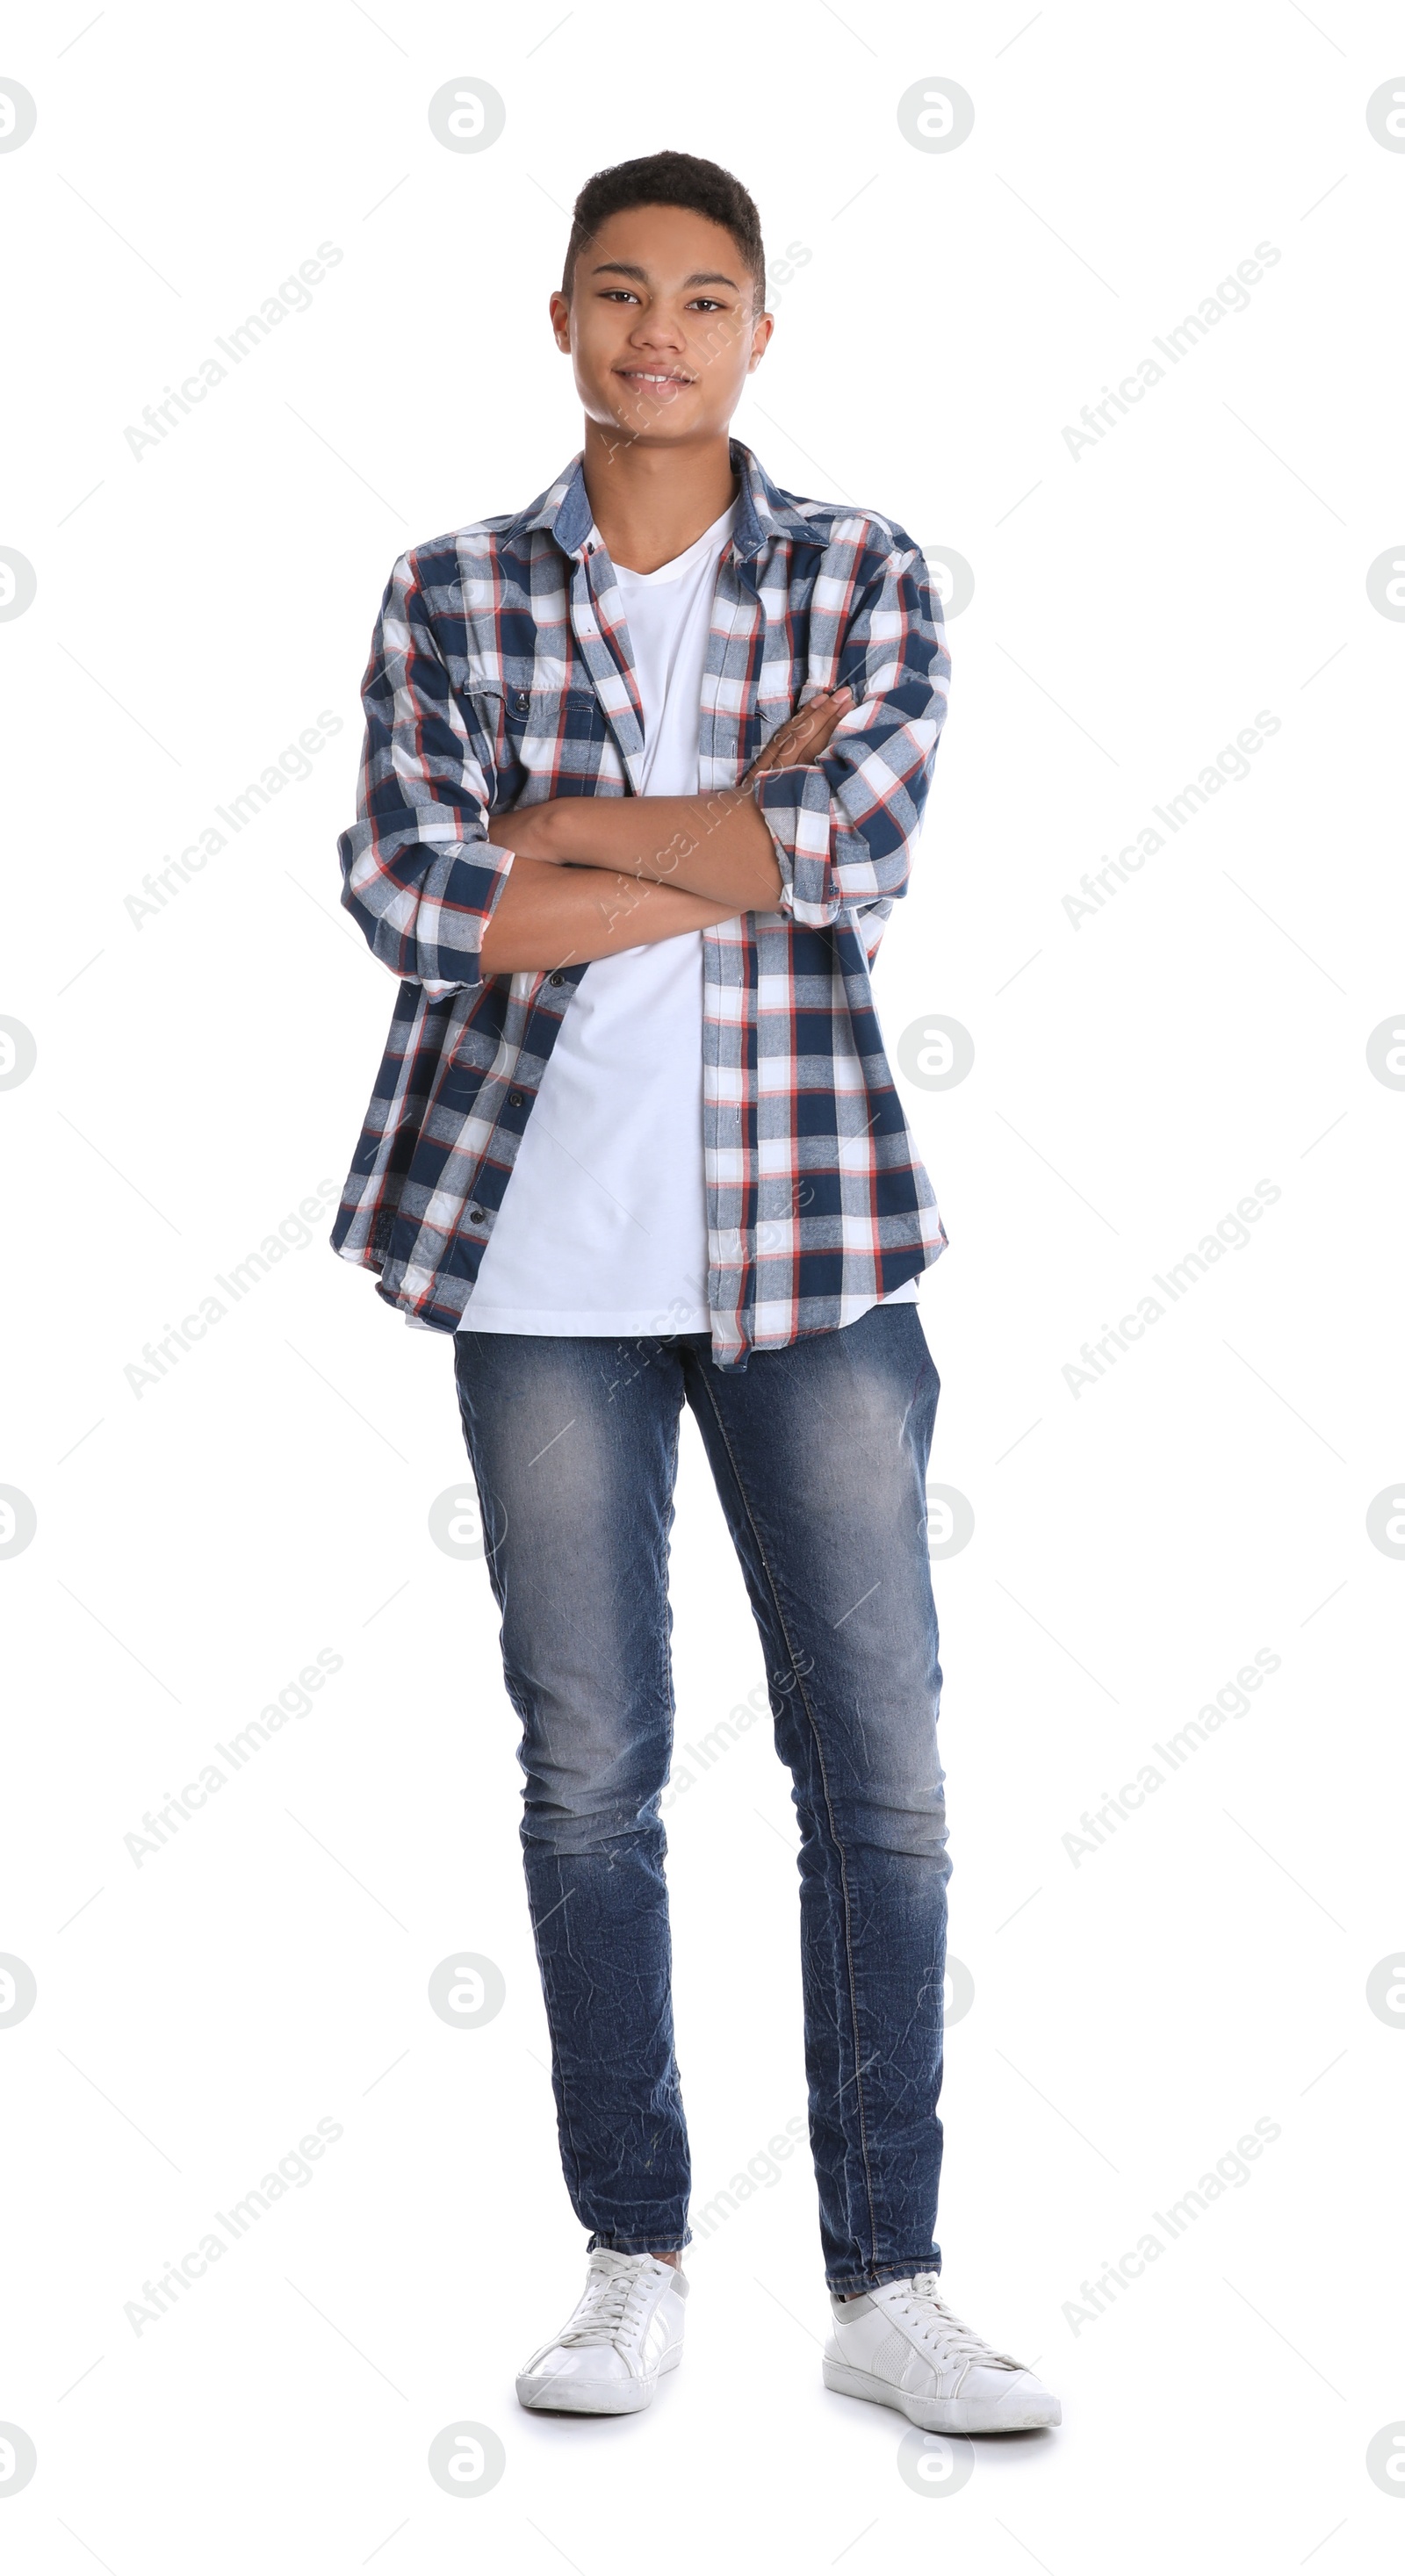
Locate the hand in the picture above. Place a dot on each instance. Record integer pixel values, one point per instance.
(804, 735)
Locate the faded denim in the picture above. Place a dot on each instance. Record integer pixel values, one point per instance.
(819, 1452)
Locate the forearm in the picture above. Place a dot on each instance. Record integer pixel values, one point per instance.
(716, 846)
(550, 916)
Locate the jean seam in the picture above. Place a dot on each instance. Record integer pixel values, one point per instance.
(880, 2274)
(669, 1516)
(829, 1817)
(671, 1702)
(574, 2178)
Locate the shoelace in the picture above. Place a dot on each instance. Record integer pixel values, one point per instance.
(948, 2334)
(604, 2312)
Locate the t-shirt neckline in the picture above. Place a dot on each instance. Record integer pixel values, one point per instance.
(712, 538)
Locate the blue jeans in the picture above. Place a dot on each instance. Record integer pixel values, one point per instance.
(819, 1453)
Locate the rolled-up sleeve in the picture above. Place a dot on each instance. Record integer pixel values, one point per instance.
(418, 871)
(843, 826)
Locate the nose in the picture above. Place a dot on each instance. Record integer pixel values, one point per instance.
(657, 331)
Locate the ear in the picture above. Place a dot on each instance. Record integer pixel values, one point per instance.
(560, 311)
(760, 340)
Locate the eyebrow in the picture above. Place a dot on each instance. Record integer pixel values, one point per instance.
(631, 268)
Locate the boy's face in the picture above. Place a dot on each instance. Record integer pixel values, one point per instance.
(661, 326)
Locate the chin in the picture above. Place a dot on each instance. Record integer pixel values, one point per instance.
(641, 413)
(665, 425)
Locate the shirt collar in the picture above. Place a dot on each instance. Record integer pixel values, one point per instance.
(765, 513)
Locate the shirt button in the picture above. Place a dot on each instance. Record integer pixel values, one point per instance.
(558, 979)
(521, 700)
(514, 1100)
(475, 1216)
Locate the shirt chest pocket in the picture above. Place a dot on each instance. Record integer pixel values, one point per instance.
(551, 735)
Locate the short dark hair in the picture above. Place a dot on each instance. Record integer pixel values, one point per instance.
(669, 179)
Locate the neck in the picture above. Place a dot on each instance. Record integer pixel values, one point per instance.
(651, 503)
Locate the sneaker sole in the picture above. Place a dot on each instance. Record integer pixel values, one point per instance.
(942, 2414)
(548, 2396)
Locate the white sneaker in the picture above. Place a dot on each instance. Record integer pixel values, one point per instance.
(902, 2346)
(607, 2358)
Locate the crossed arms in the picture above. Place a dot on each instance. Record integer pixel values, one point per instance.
(447, 892)
(594, 874)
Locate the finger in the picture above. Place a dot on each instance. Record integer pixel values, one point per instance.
(823, 703)
(826, 709)
(814, 722)
(805, 732)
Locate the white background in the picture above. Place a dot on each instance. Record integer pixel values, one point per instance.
(199, 1541)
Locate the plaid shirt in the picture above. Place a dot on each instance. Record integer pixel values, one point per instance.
(500, 675)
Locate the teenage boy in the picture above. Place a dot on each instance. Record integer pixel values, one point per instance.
(644, 768)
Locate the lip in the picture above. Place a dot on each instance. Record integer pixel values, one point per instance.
(654, 381)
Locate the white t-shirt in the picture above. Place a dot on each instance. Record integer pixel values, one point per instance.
(603, 1225)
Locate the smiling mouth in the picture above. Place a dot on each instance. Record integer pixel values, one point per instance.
(651, 376)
